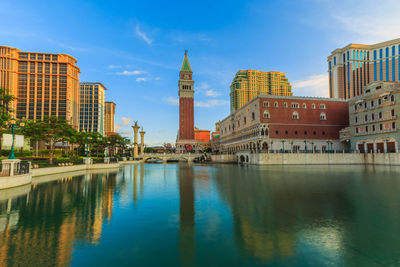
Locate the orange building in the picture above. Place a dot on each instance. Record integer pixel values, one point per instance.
(44, 84)
(202, 137)
(109, 118)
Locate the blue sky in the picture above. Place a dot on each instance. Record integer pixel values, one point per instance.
(135, 48)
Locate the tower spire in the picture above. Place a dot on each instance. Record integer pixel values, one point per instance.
(186, 64)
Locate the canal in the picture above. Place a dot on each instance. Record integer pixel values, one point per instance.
(205, 215)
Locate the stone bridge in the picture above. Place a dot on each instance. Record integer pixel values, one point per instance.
(170, 157)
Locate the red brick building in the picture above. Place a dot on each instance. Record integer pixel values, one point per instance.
(285, 122)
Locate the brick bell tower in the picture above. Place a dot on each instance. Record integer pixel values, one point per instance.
(186, 141)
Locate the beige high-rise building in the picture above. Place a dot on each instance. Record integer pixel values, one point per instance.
(355, 66)
(109, 118)
(92, 107)
(248, 84)
(44, 84)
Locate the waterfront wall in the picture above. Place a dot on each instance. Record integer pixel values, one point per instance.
(312, 158)
(224, 158)
(53, 170)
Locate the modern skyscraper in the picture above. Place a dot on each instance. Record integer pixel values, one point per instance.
(354, 66)
(109, 118)
(44, 84)
(92, 98)
(249, 84)
(186, 139)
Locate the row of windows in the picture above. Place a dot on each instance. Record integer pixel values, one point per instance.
(392, 113)
(371, 104)
(296, 132)
(373, 128)
(38, 56)
(294, 105)
(295, 115)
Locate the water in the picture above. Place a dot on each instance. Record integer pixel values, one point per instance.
(195, 215)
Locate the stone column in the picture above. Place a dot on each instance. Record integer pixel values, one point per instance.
(135, 140)
(142, 141)
(385, 147)
(396, 146)
(375, 149)
(365, 148)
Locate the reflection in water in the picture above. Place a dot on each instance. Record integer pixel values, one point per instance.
(186, 215)
(228, 215)
(41, 226)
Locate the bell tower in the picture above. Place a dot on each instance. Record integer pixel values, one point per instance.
(186, 111)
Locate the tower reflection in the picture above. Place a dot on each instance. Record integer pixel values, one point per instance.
(186, 215)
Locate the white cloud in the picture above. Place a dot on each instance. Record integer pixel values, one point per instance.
(143, 35)
(368, 22)
(117, 127)
(212, 93)
(172, 101)
(141, 79)
(210, 103)
(113, 66)
(126, 121)
(130, 73)
(203, 86)
(315, 85)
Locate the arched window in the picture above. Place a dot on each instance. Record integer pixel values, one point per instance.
(276, 104)
(322, 106)
(266, 104)
(253, 116)
(285, 105)
(322, 116)
(313, 106)
(304, 105)
(295, 115)
(266, 115)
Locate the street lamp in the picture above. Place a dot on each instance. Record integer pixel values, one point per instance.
(387, 141)
(349, 142)
(312, 146)
(305, 145)
(89, 138)
(108, 149)
(12, 124)
(283, 146)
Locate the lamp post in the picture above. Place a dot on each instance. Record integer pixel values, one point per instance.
(305, 145)
(387, 141)
(108, 149)
(291, 146)
(12, 124)
(272, 142)
(312, 147)
(89, 138)
(283, 146)
(349, 142)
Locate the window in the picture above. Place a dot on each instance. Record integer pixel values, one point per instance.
(380, 115)
(277, 132)
(266, 115)
(322, 106)
(357, 130)
(305, 132)
(366, 129)
(392, 98)
(286, 132)
(372, 116)
(379, 101)
(285, 105)
(366, 118)
(373, 128)
(244, 120)
(295, 105)
(266, 104)
(356, 119)
(365, 104)
(314, 133)
(295, 132)
(295, 115)
(322, 116)
(304, 105)
(355, 107)
(276, 104)
(313, 106)
(393, 125)
(380, 127)
(372, 103)
(323, 133)
(253, 116)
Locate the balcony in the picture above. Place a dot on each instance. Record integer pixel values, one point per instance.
(384, 118)
(390, 130)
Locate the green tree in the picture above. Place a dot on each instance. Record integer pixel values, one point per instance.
(5, 111)
(56, 130)
(35, 131)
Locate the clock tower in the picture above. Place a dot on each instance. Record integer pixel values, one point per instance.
(186, 141)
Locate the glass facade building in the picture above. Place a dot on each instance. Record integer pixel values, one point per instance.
(92, 107)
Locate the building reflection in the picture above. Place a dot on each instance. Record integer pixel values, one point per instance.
(42, 225)
(186, 215)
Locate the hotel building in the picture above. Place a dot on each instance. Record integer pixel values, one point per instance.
(92, 105)
(374, 120)
(285, 124)
(44, 84)
(354, 66)
(248, 84)
(109, 118)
